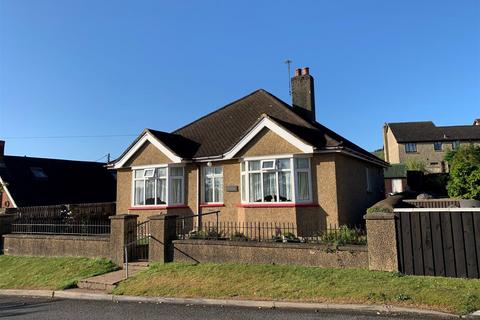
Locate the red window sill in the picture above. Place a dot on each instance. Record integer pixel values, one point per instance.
(157, 207)
(211, 205)
(277, 205)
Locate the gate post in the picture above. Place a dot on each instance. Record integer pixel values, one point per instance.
(122, 231)
(6, 221)
(382, 241)
(163, 232)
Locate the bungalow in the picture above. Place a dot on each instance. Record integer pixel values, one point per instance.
(256, 159)
(29, 181)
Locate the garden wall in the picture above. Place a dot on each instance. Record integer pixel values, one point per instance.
(315, 255)
(56, 245)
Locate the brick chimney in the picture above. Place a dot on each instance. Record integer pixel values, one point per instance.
(303, 97)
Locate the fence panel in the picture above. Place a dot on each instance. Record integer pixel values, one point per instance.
(439, 242)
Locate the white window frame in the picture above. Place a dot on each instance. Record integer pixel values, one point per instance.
(212, 176)
(410, 147)
(245, 197)
(168, 178)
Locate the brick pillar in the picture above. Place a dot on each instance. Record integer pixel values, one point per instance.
(163, 232)
(382, 241)
(6, 221)
(123, 231)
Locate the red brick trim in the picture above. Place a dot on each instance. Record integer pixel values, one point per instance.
(277, 205)
(158, 207)
(211, 205)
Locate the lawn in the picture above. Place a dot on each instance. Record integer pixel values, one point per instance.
(295, 283)
(48, 273)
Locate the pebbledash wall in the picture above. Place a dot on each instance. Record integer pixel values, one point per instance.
(200, 251)
(339, 186)
(56, 245)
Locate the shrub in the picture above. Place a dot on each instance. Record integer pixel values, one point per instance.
(238, 236)
(379, 209)
(415, 165)
(464, 181)
(342, 236)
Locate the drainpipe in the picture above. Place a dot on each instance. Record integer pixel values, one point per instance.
(199, 217)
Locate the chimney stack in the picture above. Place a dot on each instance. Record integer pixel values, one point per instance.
(303, 97)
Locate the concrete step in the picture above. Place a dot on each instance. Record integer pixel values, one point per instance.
(108, 281)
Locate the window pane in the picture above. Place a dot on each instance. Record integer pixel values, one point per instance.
(218, 170)
(255, 187)
(149, 173)
(285, 186)
(244, 188)
(254, 165)
(177, 187)
(437, 146)
(301, 163)
(303, 190)
(208, 171)
(161, 191)
(161, 172)
(208, 190)
(218, 181)
(150, 191)
(270, 187)
(139, 192)
(176, 171)
(138, 173)
(283, 164)
(268, 164)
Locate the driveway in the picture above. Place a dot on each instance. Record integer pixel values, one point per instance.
(42, 308)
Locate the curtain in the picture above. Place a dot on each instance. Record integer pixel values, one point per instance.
(150, 191)
(270, 187)
(176, 191)
(303, 190)
(285, 186)
(218, 185)
(208, 189)
(161, 191)
(139, 192)
(255, 187)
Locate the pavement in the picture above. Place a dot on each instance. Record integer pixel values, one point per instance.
(16, 307)
(84, 297)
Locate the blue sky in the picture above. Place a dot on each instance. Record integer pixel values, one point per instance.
(108, 69)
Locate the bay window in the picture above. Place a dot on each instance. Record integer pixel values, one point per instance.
(155, 186)
(276, 180)
(213, 185)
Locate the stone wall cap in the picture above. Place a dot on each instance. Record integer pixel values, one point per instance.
(123, 216)
(380, 216)
(163, 217)
(288, 245)
(105, 237)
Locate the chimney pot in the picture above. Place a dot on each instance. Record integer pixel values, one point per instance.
(306, 71)
(298, 72)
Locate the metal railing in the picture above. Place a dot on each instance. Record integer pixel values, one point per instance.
(273, 232)
(59, 227)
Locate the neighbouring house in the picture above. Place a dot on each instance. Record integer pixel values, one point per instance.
(28, 181)
(257, 159)
(425, 142)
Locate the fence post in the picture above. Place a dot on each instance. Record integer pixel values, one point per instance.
(382, 241)
(122, 231)
(163, 232)
(6, 221)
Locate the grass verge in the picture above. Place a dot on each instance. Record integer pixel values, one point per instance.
(296, 283)
(48, 273)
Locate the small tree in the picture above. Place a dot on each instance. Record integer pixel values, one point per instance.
(464, 181)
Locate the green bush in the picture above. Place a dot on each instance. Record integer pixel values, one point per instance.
(464, 181)
(239, 236)
(342, 236)
(375, 209)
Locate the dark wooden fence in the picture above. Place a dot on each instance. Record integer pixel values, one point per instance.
(439, 242)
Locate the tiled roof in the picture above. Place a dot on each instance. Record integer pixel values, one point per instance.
(218, 132)
(428, 132)
(60, 182)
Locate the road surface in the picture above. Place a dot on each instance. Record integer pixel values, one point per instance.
(44, 308)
